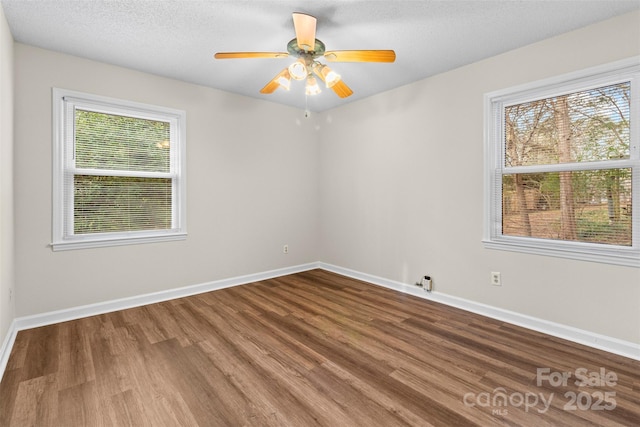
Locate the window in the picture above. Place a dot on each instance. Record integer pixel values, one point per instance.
(118, 172)
(562, 161)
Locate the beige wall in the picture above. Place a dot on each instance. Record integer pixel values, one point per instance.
(6, 177)
(402, 190)
(252, 186)
(368, 187)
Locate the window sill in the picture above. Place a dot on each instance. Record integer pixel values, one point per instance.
(582, 252)
(115, 241)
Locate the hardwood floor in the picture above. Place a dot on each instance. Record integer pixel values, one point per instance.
(313, 348)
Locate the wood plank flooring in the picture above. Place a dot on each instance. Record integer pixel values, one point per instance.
(313, 348)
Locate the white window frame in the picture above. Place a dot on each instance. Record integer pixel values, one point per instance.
(64, 104)
(494, 162)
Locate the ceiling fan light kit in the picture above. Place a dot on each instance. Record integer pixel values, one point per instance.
(298, 70)
(329, 76)
(308, 49)
(312, 87)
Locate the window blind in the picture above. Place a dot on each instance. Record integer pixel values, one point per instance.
(112, 204)
(560, 196)
(109, 141)
(584, 126)
(121, 175)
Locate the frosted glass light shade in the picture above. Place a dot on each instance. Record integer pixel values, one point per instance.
(312, 86)
(298, 70)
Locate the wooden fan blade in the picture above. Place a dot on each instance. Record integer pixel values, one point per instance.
(341, 89)
(360, 55)
(236, 55)
(273, 84)
(305, 26)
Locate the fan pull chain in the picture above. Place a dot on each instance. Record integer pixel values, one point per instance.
(307, 113)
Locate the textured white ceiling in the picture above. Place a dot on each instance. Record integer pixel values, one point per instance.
(177, 38)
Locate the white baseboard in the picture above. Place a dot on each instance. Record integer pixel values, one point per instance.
(49, 318)
(7, 345)
(602, 342)
(591, 339)
(28, 322)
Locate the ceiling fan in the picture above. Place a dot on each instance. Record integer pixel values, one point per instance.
(307, 49)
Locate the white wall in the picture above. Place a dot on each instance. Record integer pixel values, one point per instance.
(402, 190)
(6, 177)
(252, 187)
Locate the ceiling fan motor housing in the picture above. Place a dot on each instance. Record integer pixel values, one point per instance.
(295, 50)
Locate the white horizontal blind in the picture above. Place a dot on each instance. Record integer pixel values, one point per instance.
(111, 204)
(564, 174)
(122, 146)
(110, 141)
(601, 213)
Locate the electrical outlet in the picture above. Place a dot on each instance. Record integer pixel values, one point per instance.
(285, 249)
(495, 278)
(427, 284)
(10, 294)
